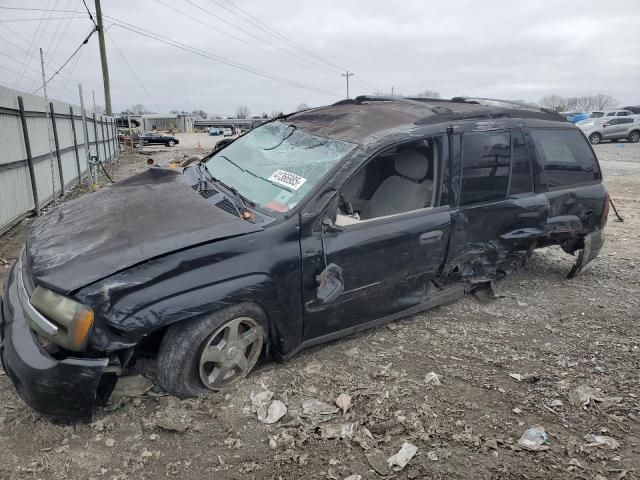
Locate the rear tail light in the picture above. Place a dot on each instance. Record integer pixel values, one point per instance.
(605, 210)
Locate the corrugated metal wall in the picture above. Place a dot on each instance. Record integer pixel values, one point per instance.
(16, 193)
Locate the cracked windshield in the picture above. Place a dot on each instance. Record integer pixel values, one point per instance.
(276, 165)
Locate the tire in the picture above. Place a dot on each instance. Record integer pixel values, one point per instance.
(634, 137)
(171, 143)
(181, 360)
(595, 138)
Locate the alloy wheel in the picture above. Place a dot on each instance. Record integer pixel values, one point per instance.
(231, 352)
(634, 137)
(595, 139)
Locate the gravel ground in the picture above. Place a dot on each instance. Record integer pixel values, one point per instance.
(519, 361)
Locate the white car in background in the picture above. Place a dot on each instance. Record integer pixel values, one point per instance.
(227, 132)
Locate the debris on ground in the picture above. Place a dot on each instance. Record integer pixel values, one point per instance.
(314, 406)
(378, 461)
(516, 376)
(404, 456)
(132, 386)
(275, 412)
(586, 396)
(343, 402)
(432, 379)
(534, 439)
(601, 441)
(341, 430)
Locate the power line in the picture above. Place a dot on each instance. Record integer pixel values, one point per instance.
(317, 66)
(277, 34)
(27, 60)
(212, 56)
(132, 71)
(311, 65)
(41, 9)
(84, 42)
(14, 20)
(89, 12)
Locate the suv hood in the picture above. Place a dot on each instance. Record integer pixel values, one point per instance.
(145, 216)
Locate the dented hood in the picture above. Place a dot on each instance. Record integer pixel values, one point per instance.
(145, 216)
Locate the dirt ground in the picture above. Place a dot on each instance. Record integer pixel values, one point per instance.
(502, 366)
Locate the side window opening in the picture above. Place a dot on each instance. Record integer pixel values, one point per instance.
(566, 157)
(486, 159)
(399, 179)
(521, 178)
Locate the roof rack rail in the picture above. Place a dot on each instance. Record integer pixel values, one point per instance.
(425, 102)
(501, 100)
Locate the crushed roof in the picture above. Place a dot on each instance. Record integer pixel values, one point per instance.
(360, 119)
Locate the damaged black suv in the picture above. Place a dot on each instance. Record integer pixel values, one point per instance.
(313, 226)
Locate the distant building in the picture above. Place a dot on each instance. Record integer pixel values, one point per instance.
(168, 122)
(242, 123)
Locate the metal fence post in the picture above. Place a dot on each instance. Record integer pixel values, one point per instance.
(27, 147)
(108, 140)
(95, 135)
(57, 144)
(75, 144)
(104, 147)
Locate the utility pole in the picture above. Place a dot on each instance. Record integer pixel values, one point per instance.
(347, 75)
(46, 109)
(103, 59)
(392, 89)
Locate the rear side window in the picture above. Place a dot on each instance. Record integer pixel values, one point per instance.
(566, 157)
(485, 166)
(521, 181)
(625, 120)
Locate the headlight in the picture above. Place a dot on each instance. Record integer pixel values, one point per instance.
(73, 318)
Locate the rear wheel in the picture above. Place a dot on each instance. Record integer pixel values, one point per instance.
(211, 353)
(171, 143)
(595, 138)
(634, 137)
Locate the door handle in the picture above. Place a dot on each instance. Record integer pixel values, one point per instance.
(524, 215)
(430, 236)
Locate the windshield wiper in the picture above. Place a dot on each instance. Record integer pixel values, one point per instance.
(243, 200)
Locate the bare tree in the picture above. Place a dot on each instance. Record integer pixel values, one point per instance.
(174, 112)
(302, 106)
(554, 102)
(275, 114)
(264, 115)
(138, 109)
(602, 101)
(243, 112)
(427, 94)
(202, 113)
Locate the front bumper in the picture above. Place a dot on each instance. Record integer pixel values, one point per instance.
(64, 389)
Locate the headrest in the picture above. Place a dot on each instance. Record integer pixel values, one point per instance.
(412, 164)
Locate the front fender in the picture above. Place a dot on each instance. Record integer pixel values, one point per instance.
(285, 332)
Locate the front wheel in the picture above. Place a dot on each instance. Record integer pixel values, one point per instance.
(212, 352)
(634, 137)
(171, 143)
(595, 138)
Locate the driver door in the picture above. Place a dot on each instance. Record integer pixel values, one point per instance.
(387, 266)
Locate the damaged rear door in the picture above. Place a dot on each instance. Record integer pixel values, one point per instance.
(498, 212)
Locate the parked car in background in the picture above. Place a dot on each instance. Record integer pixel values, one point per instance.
(635, 109)
(227, 132)
(313, 226)
(611, 113)
(213, 131)
(611, 128)
(575, 117)
(150, 138)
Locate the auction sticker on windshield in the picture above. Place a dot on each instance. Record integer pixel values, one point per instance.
(287, 179)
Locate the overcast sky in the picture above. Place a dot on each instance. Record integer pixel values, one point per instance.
(495, 48)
